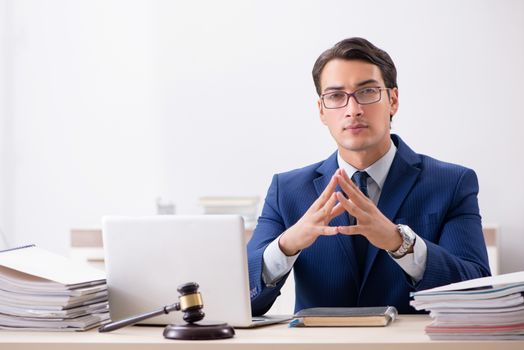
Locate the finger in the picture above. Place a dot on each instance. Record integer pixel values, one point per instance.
(350, 230)
(347, 184)
(336, 211)
(345, 175)
(329, 208)
(350, 206)
(352, 191)
(328, 230)
(324, 212)
(330, 203)
(325, 195)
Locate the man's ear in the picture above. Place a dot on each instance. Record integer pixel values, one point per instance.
(321, 112)
(393, 102)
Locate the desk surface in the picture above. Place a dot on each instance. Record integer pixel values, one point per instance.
(406, 333)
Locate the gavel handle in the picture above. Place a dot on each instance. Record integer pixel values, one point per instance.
(108, 327)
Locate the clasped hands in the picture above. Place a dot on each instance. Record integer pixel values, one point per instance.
(370, 222)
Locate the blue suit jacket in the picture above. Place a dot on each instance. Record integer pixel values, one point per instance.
(437, 200)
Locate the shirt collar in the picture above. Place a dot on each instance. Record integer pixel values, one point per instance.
(378, 171)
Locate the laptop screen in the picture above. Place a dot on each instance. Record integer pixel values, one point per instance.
(147, 258)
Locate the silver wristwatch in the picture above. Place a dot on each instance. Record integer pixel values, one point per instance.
(408, 241)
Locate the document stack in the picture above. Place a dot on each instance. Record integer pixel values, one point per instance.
(487, 308)
(43, 291)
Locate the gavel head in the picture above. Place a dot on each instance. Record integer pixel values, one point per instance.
(191, 302)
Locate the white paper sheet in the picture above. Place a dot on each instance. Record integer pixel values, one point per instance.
(45, 264)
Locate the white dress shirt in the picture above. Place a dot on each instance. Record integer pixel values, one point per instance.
(277, 264)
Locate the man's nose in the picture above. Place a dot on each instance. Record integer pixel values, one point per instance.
(353, 109)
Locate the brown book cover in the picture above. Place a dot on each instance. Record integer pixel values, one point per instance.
(379, 316)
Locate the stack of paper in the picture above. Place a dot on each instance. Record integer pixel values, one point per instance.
(40, 290)
(483, 308)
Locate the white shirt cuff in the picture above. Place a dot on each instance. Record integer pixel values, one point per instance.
(276, 263)
(415, 264)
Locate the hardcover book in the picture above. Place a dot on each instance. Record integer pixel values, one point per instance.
(345, 317)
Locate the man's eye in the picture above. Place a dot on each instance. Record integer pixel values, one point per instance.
(367, 91)
(336, 96)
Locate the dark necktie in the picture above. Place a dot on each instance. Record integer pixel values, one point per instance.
(360, 178)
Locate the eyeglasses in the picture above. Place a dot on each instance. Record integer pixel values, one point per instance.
(340, 99)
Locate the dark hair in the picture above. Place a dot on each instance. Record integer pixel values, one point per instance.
(357, 49)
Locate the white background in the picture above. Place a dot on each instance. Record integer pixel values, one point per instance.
(107, 105)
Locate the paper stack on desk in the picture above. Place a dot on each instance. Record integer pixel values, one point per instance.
(40, 290)
(483, 308)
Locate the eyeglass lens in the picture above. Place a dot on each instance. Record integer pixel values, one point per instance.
(339, 99)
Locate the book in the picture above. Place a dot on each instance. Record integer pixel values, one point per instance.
(40, 290)
(485, 308)
(245, 206)
(379, 316)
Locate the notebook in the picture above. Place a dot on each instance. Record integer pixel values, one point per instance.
(147, 258)
(378, 316)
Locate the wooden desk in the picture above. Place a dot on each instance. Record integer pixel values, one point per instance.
(407, 333)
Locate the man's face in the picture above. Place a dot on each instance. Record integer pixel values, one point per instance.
(355, 127)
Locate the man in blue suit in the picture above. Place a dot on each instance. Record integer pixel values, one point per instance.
(374, 221)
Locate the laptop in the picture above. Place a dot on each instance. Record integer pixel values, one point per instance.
(147, 258)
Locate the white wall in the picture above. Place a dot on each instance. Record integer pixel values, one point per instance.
(5, 119)
(118, 102)
(86, 122)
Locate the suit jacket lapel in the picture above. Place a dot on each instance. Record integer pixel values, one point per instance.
(402, 176)
(327, 169)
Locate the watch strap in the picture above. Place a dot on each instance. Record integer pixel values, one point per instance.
(408, 241)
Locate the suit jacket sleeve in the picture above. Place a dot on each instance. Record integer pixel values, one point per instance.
(460, 252)
(269, 226)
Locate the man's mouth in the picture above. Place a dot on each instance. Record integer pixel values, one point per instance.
(354, 126)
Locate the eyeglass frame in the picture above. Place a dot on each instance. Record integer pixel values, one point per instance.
(353, 94)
